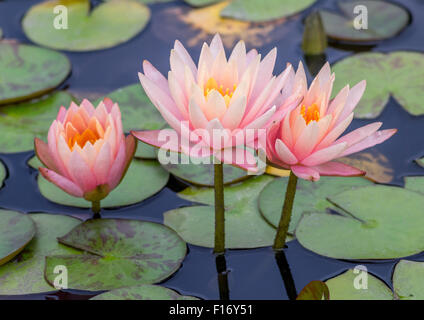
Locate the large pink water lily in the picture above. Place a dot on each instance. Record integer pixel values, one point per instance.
(308, 139)
(87, 153)
(225, 97)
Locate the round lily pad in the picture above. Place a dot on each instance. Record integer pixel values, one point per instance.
(408, 280)
(376, 222)
(200, 174)
(142, 292)
(310, 196)
(107, 25)
(261, 11)
(342, 287)
(29, 71)
(21, 123)
(386, 74)
(118, 253)
(244, 226)
(16, 230)
(388, 20)
(143, 179)
(25, 274)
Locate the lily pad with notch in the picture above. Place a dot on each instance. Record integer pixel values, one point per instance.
(118, 253)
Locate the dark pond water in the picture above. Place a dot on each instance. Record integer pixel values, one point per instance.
(253, 274)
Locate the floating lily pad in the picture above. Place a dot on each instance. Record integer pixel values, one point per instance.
(3, 173)
(310, 196)
(388, 20)
(16, 230)
(29, 71)
(21, 123)
(408, 280)
(377, 222)
(25, 274)
(342, 287)
(314, 290)
(108, 25)
(118, 253)
(200, 174)
(415, 184)
(260, 11)
(385, 74)
(244, 226)
(201, 3)
(142, 292)
(143, 179)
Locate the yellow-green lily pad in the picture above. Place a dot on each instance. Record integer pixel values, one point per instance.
(118, 253)
(107, 25)
(16, 231)
(142, 292)
(376, 222)
(28, 71)
(21, 123)
(310, 196)
(386, 74)
(261, 11)
(244, 226)
(201, 3)
(25, 274)
(143, 179)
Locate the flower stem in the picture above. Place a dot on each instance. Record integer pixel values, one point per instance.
(283, 226)
(95, 207)
(219, 209)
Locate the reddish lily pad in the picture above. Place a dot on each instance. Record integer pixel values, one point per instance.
(314, 290)
(107, 25)
(118, 253)
(28, 71)
(142, 292)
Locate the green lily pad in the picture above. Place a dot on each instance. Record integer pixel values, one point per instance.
(310, 196)
(25, 274)
(314, 290)
(386, 74)
(3, 173)
(389, 19)
(200, 174)
(142, 292)
(201, 3)
(377, 222)
(415, 184)
(118, 253)
(143, 179)
(244, 226)
(28, 71)
(342, 287)
(408, 280)
(21, 123)
(16, 230)
(138, 113)
(260, 11)
(108, 25)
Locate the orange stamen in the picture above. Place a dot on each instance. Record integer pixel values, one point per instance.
(310, 113)
(226, 93)
(81, 139)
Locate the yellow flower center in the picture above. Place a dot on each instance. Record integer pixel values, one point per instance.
(310, 113)
(227, 93)
(81, 139)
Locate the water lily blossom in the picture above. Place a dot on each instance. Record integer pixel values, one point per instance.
(87, 153)
(309, 139)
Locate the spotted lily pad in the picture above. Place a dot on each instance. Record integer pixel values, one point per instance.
(386, 74)
(21, 123)
(143, 179)
(200, 174)
(260, 11)
(342, 287)
(29, 71)
(244, 225)
(16, 230)
(408, 280)
(25, 274)
(387, 20)
(118, 253)
(310, 196)
(142, 292)
(376, 222)
(108, 25)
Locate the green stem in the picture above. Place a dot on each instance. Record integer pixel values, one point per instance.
(95, 207)
(283, 226)
(219, 209)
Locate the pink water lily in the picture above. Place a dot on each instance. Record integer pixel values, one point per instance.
(307, 140)
(221, 96)
(87, 153)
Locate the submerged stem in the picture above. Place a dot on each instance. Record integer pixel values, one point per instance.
(95, 207)
(219, 209)
(283, 226)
